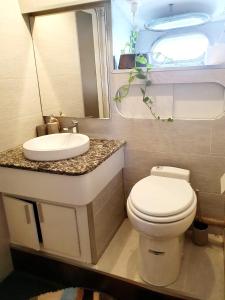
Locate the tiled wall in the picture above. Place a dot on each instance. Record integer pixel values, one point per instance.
(19, 98)
(196, 145)
(20, 106)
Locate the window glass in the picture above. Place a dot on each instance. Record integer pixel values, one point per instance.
(180, 48)
(180, 21)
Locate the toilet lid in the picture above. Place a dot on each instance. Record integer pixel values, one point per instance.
(161, 196)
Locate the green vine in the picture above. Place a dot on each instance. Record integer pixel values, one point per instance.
(129, 47)
(139, 73)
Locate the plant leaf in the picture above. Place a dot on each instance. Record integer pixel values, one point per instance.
(131, 78)
(170, 119)
(138, 69)
(142, 91)
(140, 76)
(146, 99)
(141, 60)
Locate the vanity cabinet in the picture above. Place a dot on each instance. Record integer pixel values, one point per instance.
(79, 233)
(21, 222)
(73, 214)
(59, 229)
(54, 229)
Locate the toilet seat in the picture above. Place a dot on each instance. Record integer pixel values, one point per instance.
(161, 199)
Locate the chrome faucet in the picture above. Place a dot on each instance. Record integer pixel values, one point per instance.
(71, 127)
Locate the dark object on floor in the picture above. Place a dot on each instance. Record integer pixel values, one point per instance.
(200, 233)
(74, 294)
(22, 286)
(69, 275)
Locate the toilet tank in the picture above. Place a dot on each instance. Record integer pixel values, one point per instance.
(171, 172)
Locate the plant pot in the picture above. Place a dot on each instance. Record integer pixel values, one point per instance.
(200, 233)
(127, 61)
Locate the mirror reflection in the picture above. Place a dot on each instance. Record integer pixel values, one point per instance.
(71, 58)
(168, 34)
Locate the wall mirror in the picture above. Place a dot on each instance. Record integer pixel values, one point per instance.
(71, 52)
(168, 34)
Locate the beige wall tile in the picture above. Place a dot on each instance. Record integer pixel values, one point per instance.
(17, 58)
(218, 137)
(211, 205)
(19, 98)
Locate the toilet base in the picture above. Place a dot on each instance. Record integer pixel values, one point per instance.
(160, 260)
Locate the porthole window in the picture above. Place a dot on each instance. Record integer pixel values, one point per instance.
(180, 49)
(179, 21)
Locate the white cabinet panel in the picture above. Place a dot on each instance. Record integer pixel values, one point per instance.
(21, 222)
(59, 229)
(28, 6)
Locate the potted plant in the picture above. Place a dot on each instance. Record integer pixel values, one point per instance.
(142, 74)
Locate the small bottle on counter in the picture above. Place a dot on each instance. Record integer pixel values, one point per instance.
(41, 130)
(52, 128)
(53, 125)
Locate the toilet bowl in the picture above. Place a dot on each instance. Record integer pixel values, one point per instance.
(161, 207)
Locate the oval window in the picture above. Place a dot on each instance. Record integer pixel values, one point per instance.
(183, 48)
(178, 21)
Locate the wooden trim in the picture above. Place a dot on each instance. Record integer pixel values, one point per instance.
(94, 256)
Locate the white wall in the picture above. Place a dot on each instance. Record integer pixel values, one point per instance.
(19, 98)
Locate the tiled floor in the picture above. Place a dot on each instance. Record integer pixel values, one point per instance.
(202, 274)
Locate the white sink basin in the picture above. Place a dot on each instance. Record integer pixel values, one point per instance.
(56, 146)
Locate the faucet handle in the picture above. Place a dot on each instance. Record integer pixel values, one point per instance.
(75, 123)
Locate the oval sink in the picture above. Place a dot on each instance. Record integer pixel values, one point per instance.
(56, 146)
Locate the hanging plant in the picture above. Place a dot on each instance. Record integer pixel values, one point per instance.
(139, 73)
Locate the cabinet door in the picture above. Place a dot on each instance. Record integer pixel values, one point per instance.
(21, 222)
(59, 229)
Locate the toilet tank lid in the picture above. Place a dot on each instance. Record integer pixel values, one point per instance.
(172, 172)
(161, 196)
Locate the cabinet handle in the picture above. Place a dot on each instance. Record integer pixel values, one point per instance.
(40, 213)
(156, 252)
(27, 213)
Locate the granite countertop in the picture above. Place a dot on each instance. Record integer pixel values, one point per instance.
(100, 150)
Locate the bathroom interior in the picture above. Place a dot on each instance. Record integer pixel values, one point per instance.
(112, 149)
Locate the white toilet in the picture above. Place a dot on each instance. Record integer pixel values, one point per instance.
(161, 207)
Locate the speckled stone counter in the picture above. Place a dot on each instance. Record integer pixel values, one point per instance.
(100, 150)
